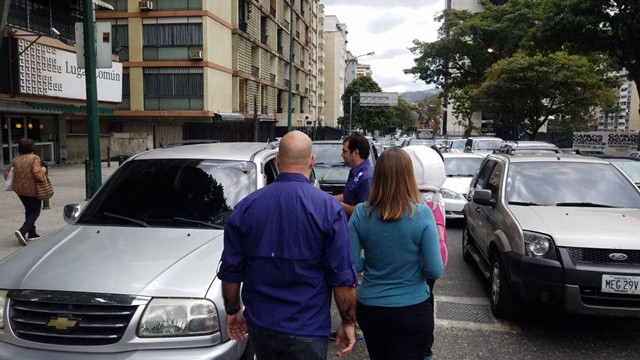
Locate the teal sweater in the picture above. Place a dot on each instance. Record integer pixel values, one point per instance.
(398, 256)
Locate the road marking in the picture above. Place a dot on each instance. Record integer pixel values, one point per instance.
(496, 325)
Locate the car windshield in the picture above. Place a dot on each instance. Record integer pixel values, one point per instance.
(458, 144)
(486, 144)
(630, 167)
(328, 154)
(550, 183)
(180, 192)
(461, 167)
(421, 142)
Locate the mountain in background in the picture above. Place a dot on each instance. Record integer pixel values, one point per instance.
(415, 96)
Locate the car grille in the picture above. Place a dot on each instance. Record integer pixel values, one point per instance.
(594, 297)
(70, 319)
(601, 256)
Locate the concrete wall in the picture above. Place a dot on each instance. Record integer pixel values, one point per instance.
(125, 144)
(78, 148)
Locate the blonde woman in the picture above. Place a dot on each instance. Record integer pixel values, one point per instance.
(399, 237)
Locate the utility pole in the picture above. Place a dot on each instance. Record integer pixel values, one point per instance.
(93, 122)
(289, 105)
(350, 112)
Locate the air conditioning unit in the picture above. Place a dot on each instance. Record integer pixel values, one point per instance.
(195, 55)
(145, 5)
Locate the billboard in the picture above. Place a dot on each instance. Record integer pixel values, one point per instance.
(378, 99)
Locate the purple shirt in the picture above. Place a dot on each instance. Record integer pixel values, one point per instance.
(358, 185)
(288, 243)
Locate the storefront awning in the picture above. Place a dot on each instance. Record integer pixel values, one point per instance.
(68, 109)
(103, 4)
(229, 117)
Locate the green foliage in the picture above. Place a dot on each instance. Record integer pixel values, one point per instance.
(402, 116)
(534, 89)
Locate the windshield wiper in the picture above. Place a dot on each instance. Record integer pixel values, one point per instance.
(191, 221)
(330, 165)
(523, 203)
(584, 204)
(135, 221)
(460, 175)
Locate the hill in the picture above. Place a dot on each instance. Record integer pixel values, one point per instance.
(415, 96)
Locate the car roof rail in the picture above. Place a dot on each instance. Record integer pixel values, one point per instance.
(188, 142)
(510, 150)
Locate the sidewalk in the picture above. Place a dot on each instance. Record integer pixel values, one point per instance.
(69, 188)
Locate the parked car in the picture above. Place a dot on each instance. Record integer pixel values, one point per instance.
(584, 152)
(427, 143)
(483, 145)
(133, 275)
(460, 169)
(557, 229)
(528, 147)
(634, 155)
(330, 170)
(456, 146)
(629, 166)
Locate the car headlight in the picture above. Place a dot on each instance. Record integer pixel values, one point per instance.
(449, 194)
(3, 303)
(178, 317)
(539, 245)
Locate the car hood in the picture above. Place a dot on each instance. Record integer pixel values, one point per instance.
(583, 227)
(336, 174)
(116, 260)
(459, 185)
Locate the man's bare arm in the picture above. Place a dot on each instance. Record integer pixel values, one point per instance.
(348, 208)
(231, 294)
(339, 197)
(345, 298)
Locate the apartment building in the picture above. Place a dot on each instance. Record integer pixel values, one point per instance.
(624, 115)
(321, 99)
(335, 37)
(363, 70)
(194, 62)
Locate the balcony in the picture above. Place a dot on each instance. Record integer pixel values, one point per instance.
(255, 71)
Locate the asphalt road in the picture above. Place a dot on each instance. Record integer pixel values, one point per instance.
(465, 328)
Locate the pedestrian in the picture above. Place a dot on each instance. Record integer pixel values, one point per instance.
(27, 169)
(429, 171)
(355, 153)
(288, 245)
(400, 241)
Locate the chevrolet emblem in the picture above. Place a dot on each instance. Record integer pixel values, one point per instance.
(62, 323)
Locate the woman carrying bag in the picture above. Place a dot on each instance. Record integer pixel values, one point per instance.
(27, 170)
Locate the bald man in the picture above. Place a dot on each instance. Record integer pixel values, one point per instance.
(288, 245)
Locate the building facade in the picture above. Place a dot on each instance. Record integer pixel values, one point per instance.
(335, 37)
(41, 86)
(624, 115)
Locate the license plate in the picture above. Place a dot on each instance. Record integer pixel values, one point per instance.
(620, 284)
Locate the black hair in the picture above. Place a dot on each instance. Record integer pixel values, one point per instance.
(358, 142)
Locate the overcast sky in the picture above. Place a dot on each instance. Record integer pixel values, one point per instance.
(388, 28)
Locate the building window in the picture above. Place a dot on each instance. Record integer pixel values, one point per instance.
(171, 41)
(126, 90)
(120, 41)
(118, 5)
(161, 5)
(41, 15)
(173, 89)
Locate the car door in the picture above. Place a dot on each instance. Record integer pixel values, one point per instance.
(476, 214)
(491, 216)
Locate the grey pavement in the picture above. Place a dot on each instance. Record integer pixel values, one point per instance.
(69, 188)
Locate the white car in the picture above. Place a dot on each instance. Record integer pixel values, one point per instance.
(460, 168)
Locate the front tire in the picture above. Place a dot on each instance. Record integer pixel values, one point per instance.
(504, 303)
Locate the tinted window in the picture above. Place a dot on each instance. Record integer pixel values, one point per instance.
(328, 154)
(158, 191)
(458, 144)
(461, 166)
(549, 183)
(486, 144)
(483, 177)
(421, 142)
(630, 167)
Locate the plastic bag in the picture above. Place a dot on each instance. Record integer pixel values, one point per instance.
(8, 184)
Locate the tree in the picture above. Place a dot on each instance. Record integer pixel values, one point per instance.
(429, 109)
(402, 116)
(533, 89)
(368, 118)
(610, 27)
(464, 106)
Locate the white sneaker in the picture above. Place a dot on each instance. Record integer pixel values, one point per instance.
(21, 238)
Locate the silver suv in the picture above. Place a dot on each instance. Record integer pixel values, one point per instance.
(555, 228)
(134, 274)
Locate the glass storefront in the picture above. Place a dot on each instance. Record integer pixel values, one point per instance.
(42, 129)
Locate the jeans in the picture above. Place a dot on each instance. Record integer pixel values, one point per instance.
(396, 333)
(32, 207)
(430, 283)
(273, 345)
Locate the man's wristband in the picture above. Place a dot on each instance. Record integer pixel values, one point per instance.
(232, 311)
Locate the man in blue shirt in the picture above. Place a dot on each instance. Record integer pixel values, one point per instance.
(288, 244)
(355, 152)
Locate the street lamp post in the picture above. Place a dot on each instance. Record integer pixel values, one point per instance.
(347, 63)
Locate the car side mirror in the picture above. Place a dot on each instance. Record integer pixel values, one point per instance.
(484, 197)
(71, 212)
(467, 149)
